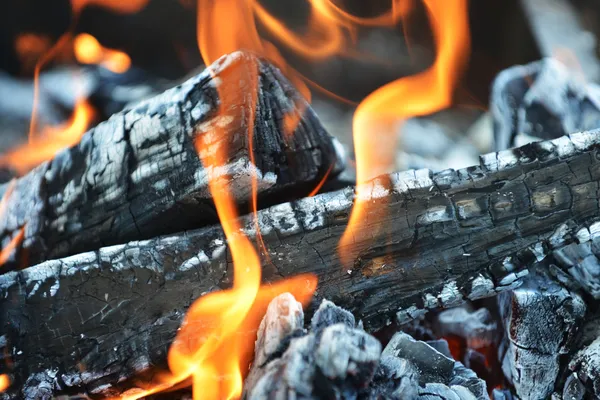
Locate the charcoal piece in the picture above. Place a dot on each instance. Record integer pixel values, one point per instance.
(580, 260)
(464, 378)
(329, 314)
(432, 365)
(540, 319)
(396, 378)
(541, 100)
(139, 175)
(438, 375)
(478, 327)
(586, 367)
(438, 246)
(339, 362)
(283, 318)
(574, 388)
(346, 355)
(441, 345)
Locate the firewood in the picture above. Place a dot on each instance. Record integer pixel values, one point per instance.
(138, 174)
(446, 237)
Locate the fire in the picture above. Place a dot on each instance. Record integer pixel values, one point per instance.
(213, 348)
(89, 51)
(7, 251)
(50, 140)
(4, 382)
(378, 115)
(117, 6)
(117, 61)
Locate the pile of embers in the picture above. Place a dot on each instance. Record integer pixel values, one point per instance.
(507, 248)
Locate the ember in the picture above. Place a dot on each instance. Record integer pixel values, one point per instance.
(165, 225)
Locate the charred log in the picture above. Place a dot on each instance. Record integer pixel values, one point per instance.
(139, 175)
(447, 237)
(541, 100)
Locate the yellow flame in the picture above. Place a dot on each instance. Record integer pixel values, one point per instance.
(116, 6)
(89, 51)
(50, 141)
(4, 382)
(377, 116)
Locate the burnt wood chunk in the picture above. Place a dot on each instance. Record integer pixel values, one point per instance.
(446, 237)
(138, 174)
(541, 100)
(541, 320)
(337, 360)
(586, 371)
(437, 375)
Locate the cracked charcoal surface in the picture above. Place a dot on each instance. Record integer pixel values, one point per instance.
(450, 236)
(586, 368)
(438, 374)
(339, 360)
(541, 321)
(138, 175)
(542, 100)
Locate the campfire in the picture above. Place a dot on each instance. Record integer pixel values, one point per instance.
(283, 205)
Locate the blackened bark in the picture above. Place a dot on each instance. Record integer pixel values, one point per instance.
(139, 175)
(445, 238)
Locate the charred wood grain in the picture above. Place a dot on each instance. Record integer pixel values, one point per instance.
(138, 174)
(445, 238)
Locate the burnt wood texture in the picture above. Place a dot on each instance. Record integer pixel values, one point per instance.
(444, 238)
(138, 174)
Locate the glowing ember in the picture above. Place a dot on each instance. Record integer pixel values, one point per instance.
(377, 116)
(50, 140)
(89, 51)
(4, 382)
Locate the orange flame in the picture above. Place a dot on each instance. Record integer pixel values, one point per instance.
(50, 140)
(214, 345)
(7, 250)
(4, 382)
(117, 6)
(89, 51)
(379, 114)
(118, 61)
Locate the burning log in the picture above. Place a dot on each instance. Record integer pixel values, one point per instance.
(138, 174)
(447, 237)
(541, 319)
